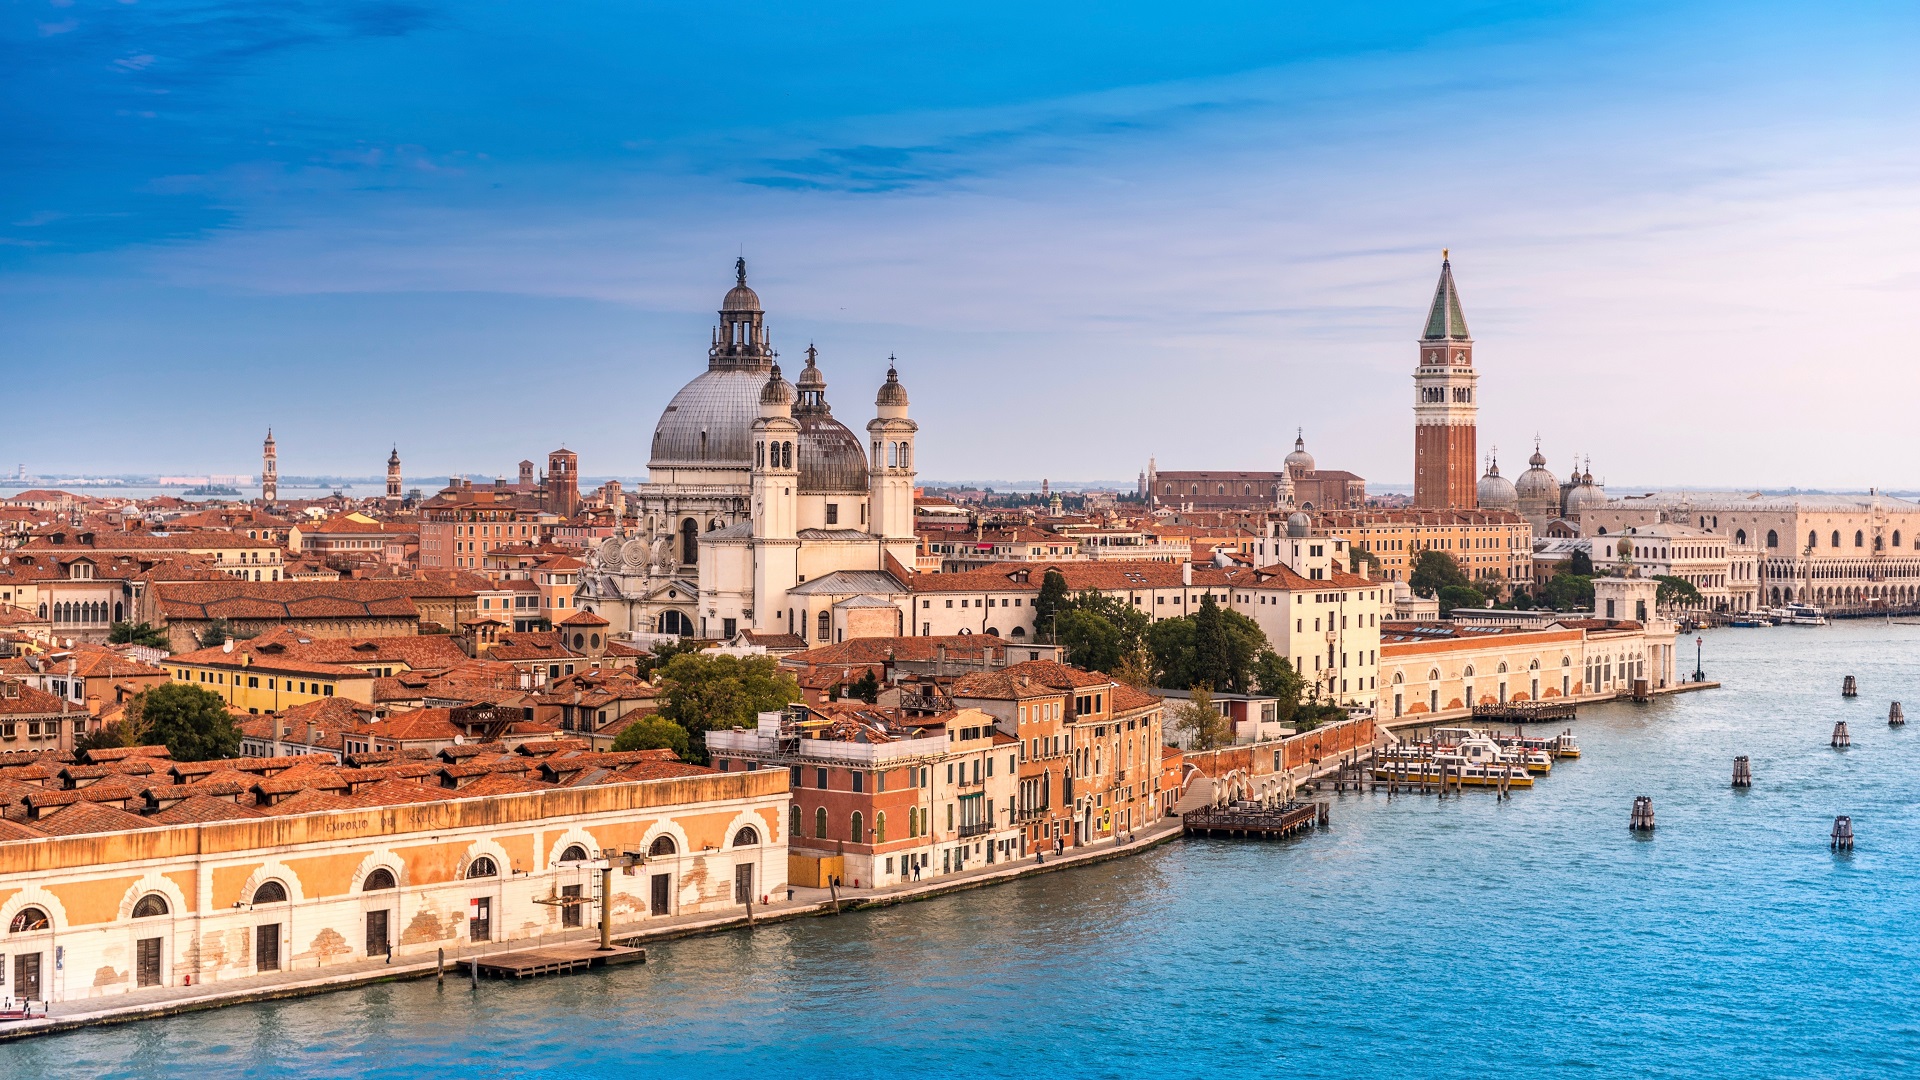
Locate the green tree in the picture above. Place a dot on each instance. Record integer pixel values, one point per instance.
(1235, 645)
(1357, 555)
(1201, 721)
(662, 653)
(1212, 652)
(1569, 592)
(193, 724)
(1092, 641)
(124, 633)
(1461, 596)
(219, 632)
(866, 687)
(1053, 598)
(1581, 563)
(706, 692)
(652, 733)
(1674, 590)
(1275, 677)
(1435, 570)
(121, 732)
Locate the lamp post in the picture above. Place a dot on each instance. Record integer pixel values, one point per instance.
(1698, 674)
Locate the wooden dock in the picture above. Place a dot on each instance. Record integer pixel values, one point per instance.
(553, 960)
(1246, 819)
(1525, 712)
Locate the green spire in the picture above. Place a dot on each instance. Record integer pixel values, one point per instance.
(1444, 320)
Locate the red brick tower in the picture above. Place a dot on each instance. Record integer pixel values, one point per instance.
(1445, 459)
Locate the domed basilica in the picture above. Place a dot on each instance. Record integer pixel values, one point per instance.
(760, 504)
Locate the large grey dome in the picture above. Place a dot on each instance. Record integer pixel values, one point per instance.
(708, 421)
(1496, 492)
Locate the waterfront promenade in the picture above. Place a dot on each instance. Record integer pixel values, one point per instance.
(159, 1002)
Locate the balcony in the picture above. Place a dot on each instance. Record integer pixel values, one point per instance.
(978, 828)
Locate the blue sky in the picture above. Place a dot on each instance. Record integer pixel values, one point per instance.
(1687, 236)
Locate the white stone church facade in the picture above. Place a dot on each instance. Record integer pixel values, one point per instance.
(762, 511)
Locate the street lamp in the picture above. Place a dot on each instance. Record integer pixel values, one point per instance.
(1698, 674)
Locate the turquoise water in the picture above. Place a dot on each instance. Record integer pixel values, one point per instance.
(1414, 938)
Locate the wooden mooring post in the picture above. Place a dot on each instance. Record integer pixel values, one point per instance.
(1896, 717)
(1642, 819)
(1742, 772)
(1840, 739)
(1849, 687)
(1842, 839)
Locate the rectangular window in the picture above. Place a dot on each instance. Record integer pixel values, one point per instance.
(833, 513)
(859, 780)
(820, 778)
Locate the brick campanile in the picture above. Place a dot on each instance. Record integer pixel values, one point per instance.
(1445, 455)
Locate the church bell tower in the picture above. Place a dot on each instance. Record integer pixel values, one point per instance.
(1445, 409)
(890, 478)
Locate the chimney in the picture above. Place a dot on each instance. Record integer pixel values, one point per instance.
(1186, 574)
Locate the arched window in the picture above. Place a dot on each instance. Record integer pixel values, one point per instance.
(274, 893)
(1566, 661)
(1813, 538)
(1468, 673)
(826, 625)
(574, 853)
(1740, 536)
(880, 827)
(379, 878)
(820, 823)
(482, 867)
(1859, 538)
(857, 830)
(748, 836)
(1896, 541)
(1603, 530)
(906, 455)
(29, 919)
(662, 845)
(1433, 675)
(893, 454)
(689, 541)
(1836, 538)
(1503, 667)
(1019, 631)
(1399, 678)
(150, 905)
(793, 822)
(1773, 539)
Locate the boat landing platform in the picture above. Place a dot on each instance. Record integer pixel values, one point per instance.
(553, 960)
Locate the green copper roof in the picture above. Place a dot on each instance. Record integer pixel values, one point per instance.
(1445, 319)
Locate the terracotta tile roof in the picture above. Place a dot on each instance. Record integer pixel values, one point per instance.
(195, 809)
(1001, 686)
(1062, 676)
(20, 701)
(82, 818)
(16, 830)
(584, 617)
(306, 801)
(284, 600)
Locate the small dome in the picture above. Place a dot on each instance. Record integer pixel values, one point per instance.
(778, 391)
(1585, 496)
(1298, 523)
(1496, 492)
(1300, 460)
(1538, 460)
(891, 392)
(831, 459)
(810, 376)
(740, 298)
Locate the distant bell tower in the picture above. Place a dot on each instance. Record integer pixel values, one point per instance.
(563, 482)
(269, 472)
(1445, 411)
(393, 477)
(890, 479)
